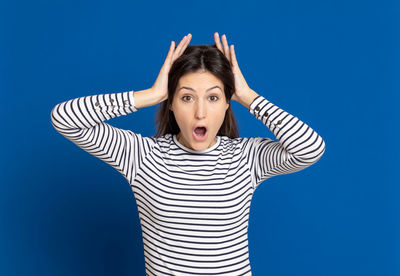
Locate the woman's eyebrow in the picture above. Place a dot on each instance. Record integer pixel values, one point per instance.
(189, 88)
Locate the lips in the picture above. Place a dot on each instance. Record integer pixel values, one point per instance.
(200, 132)
(200, 126)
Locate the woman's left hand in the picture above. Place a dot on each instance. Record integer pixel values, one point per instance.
(241, 87)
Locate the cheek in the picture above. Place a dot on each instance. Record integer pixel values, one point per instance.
(182, 117)
(219, 111)
(218, 116)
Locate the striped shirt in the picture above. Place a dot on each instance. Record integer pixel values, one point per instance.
(193, 205)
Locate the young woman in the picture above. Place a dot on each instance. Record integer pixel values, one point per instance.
(193, 182)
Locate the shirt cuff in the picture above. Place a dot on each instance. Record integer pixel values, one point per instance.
(255, 103)
(270, 114)
(131, 98)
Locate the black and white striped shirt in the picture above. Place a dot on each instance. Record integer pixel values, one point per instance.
(193, 205)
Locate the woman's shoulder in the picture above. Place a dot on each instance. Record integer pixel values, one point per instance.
(233, 143)
(235, 140)
(242, 142)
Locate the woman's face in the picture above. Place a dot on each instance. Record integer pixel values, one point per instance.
(199, 100)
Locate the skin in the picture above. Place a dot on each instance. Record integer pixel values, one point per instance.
(194, 105)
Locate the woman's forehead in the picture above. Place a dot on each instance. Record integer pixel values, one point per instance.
(199, 76)
(214, 88)
(199, 81)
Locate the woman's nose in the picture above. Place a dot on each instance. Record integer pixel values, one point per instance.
(200, 110)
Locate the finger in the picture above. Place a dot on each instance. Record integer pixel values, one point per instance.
(179, 52)
(226, 47)
(168, 59)
(218, 42)
(178, 49)
(233, 57)
(184, 45)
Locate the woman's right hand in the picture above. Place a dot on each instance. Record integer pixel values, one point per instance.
(160, 87)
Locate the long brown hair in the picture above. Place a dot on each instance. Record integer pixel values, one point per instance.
(196, 57)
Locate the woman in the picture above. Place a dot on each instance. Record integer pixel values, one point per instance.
(193, 182)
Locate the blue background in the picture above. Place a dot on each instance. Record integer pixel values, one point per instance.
(333, 64)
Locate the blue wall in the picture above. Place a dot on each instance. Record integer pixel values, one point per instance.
(334, 64)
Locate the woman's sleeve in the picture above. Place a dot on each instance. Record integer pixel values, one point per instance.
(81, 120)
(297, 148)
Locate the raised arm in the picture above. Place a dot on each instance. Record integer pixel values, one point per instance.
(82, 120)
(298, 145)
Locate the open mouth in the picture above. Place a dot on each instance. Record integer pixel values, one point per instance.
(200, 132)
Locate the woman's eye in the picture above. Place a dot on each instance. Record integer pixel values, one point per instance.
(187, 98)
(184, 98)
